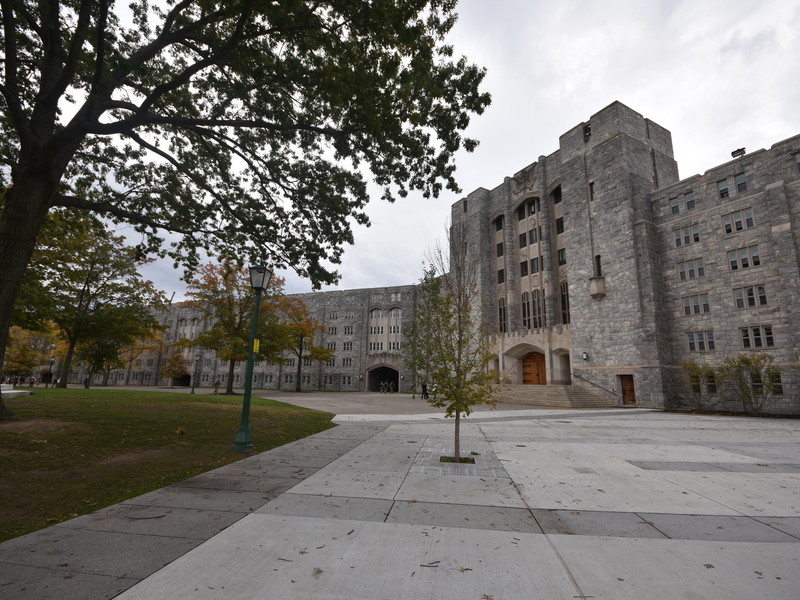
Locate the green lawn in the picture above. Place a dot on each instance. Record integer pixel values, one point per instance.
(73, 451)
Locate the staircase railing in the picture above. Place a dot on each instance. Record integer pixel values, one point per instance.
(590, 382)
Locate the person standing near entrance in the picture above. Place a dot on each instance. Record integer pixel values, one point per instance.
(425, 390)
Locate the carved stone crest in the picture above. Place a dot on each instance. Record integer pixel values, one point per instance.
(525, 180)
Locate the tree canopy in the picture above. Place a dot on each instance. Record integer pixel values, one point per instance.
(242, 127)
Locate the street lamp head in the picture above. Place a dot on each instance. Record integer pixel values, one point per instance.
(260, 277)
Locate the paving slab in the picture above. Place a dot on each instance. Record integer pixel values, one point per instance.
(24, 581)
(176, 496)
(790, 525)
(634, 569)
(266, 556)
(484, 491)
(232, 481)
(465, 516)
(716, 527)
(598, 523)
(331, 507)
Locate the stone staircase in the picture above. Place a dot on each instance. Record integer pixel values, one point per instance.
(562, 396)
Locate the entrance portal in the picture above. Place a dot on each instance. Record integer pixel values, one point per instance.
(386, 375)
(533, 369)
(628, 392)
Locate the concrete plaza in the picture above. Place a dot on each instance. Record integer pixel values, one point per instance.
(616, 504)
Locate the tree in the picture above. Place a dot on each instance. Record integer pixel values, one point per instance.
(702, 382)
(175, 366)
(240, 127)
(222, 294)
(302, 330)
(754, 379)
(27, 350)
(446, 340)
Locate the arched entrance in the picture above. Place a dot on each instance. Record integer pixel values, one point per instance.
(533, 369)
(387, 375)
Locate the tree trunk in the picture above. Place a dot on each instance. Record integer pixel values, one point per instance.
(457, 449)
(66, 366)
(300, 345)
(229, 383)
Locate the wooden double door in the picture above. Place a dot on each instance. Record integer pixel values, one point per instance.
(533, 369)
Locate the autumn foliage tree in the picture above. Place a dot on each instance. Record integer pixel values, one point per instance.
(243, 128)
(302, 330)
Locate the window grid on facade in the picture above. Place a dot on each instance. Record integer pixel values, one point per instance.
(559, 225)
(348, 330)
(523, 268)
(376, 330)
(498, 223)
(395, 313)
(347, 362)
(757, 337)
(347, 346)
(331, 330)
(501, 276)
(744, 258)
(331, 345)
(394, 345)
(526, 310)
(532, 237)
(523, 239)
(502, 322)
(688, 197)
(686, 235)
(394, 329)
(537, 312)
(700, 341)
(691, 269)
(673, 206)
(376, 346)
(741, 182)
(738, 220)
(695, 305)
(520, 212)
(722, 187)
(562, 256)
(565, 318)
(750, 296)
(535, 265)
(500, 249)
(533, 206)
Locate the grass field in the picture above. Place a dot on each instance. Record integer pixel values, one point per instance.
(73, 451)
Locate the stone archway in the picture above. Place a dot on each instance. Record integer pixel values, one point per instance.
(387, 375)
(534, 370)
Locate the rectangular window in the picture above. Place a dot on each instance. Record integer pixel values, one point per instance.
(498, 223)
(376, 330)
(700, 341)
(523, 268)
(533, 206)
(559, 225)
(744, 258)
(348, 330)
(532, 237)
(331, 345)
(741, 182)
(777, 384)
(696, 305)
(673, 206)
(523, 239)
(500, 249)
(394, 345)
(757, 337)
(689, 198)
(394, 329)
(750, 297)
(535, 265)
(332, 316)
(738, 220)
(562, 256)
(501, 276)
(520, 212)
(591, 190)
(347, 346)
(722, 186)
(331, 330)
(502, 323)
(686, 235)
(347, 362)
(376, 346)
(691, 269)
(557, 195)
(331, 362)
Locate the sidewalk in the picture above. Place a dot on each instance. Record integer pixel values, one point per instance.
(613, 504)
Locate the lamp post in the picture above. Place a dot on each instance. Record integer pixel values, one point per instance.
(52, 362)
(194, 374)
(259, 280)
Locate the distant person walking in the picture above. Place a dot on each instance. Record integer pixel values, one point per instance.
(424, 391)
(216, 387)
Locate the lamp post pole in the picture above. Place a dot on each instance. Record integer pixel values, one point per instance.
(194, 374)
(259, 279)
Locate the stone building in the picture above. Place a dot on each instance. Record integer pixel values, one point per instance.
(600, 267)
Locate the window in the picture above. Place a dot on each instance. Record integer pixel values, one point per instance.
(797, 160)
(526, 310)
(331, 345)
(537, 311)
(306, 379)
(290, 362)
(691, 269)
(346, 380)
(695, 305)
(332, 316)
(347, 362)
(307, 362)
(564, 302)
(757, 337)
(347, 346)
(673, 206)
(523, 268)
(520, 212)
(591, 191)
(686, 235)
(349, 315)
(689, 199)
(267, 378)
(523, 239)
(395, 313)
(532, 237)
(559, 225)
(700, 341)
(722, 186)
(533, 205)
(502, 323)
(394, 329)
(777, 384)
(376, 346)
(348, 330)
(288, 378)
(501, 276)
(394, 345)
(500, 249)
(331, 330)
(557, 195)
(395, 296)
(598, 266)
(711, 383)
(750, 297)
(738, 220)
(376, 298)
(498, 223)
(535, 265)
(330, 363)
(562, 256)
(741, 182)
(744, 258)
(376, 313)
(376, 330)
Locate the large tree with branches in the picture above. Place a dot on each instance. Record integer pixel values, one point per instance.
(242, 127)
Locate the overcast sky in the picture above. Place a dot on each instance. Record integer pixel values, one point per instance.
(719, 74)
